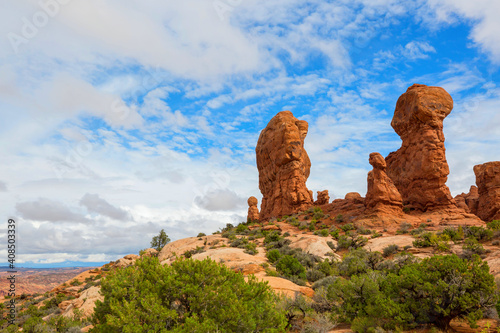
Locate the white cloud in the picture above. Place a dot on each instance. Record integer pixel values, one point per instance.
(482, 15)
(95, 204)
(415, 50)
(48, 210)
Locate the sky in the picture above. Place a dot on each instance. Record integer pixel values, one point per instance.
(120, 118)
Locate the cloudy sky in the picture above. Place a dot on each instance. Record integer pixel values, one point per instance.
(121, 118)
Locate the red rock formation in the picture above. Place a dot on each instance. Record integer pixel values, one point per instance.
(419, 168)
(488, 183)
(283, 166)
(382, 195)
(354, 197)
(253, 211)
(323, 198)
(468, 201)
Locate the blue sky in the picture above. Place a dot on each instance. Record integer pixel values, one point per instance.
(121, 118)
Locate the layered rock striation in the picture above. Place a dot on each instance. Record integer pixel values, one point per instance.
(283, 166)
(488, 184)
(382, 195)
(419, 168)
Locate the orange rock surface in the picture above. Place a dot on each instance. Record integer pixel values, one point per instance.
(382, 195)
(488, 183)
(323, 198)
(253, 211)
(419, 168)
(283, 166)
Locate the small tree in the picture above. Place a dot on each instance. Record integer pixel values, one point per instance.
(160, 241)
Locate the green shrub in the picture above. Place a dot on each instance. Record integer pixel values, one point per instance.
(289, 266)
(493, 225)
(251, 248)
(334, 233)
(187, 296)
(318, 213)
(404, 228)
(339, 218)
(201, 234)
(347, 227)
(479, 233)
(241, 229)
(273, 255)
(389, 250)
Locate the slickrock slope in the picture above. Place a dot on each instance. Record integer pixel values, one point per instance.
(419, 168)
(253, 211)
(283, 166)
(382, 195)
(488, 183)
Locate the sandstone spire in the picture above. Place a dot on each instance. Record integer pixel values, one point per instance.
(488, 183)
(283, 166)
(382, 195)
(419, 168)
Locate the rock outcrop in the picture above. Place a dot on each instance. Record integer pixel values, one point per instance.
(382, 195)
(323, 198)
(488, 183)
(419, 168)
(253, 211)
(283, 166)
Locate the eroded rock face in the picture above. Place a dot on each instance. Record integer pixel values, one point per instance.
(488, 183)
(382, 194)
(419, 168)
(468, 201)
(323, 198)
(253, 211)
(283, 166)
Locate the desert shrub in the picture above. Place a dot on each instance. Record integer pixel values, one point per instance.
(331, 245)
(455, 234)
(404, 228)
(433, 291)
(201, 234)
(351, 240)
(322, 233)
(239, 242)
(427, 239)
(334, 233)
(324, 282)
(493, 225)
(389, 250)
(377, 234)
(479, 233)
(313, 274)
(273, 255)
(187, 296)
(312, 225)
(273, 236)
(354, 263)
(189, 253)
(318, 213)
(289, 266)
(241, 229)
(363, 231)
(347, 227)
(339, 218)
(251, 248)
(75, 283)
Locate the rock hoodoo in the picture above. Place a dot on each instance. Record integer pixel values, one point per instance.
(283, 166)
(253, 211)
(382, 195)
(488, 183)
(419, 168)
(323, 198)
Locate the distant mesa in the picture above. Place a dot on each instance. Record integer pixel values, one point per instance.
(283, 166)
(411, 179)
